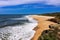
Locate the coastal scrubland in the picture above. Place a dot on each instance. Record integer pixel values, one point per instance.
(53, 33)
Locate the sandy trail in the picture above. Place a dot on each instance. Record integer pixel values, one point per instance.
(42, 25)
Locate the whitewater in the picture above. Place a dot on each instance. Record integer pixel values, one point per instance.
(19, 32)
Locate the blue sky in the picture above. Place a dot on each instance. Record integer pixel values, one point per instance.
(29, 6)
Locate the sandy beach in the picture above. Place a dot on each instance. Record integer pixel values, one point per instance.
(43, 24)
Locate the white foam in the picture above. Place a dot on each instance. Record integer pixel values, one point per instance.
(19, 32)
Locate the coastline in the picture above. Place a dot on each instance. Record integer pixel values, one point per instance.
(19, 32)
(42, 25)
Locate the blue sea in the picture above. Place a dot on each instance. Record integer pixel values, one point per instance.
(17, 27)
(6, 20)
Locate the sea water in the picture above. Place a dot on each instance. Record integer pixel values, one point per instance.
(17, 28)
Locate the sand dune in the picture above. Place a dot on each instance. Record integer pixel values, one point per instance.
(42, 25)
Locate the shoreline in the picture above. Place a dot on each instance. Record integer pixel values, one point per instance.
(42, 22)
(19, 32)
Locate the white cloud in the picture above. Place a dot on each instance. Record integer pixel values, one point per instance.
(17, 2)
(53, 2)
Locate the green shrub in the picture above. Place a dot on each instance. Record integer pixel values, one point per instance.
(51, 34)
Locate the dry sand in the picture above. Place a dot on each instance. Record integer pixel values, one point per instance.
(43, 24)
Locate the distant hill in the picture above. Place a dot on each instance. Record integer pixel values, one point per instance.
(52, 14)
(56, 15)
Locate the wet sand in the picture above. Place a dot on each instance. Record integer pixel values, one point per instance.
(43, 24)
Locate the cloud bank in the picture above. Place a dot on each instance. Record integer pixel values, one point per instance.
(18, 2)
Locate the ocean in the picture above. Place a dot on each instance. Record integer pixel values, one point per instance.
(17, 27)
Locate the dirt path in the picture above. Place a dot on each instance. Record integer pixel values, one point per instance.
(42, 25)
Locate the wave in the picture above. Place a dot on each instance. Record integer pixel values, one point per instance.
(19, 32)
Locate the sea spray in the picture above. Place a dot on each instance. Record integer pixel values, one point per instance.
(19, 32)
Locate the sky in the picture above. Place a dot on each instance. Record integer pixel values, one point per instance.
(29, 6)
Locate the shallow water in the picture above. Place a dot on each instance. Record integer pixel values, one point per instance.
(18, 28)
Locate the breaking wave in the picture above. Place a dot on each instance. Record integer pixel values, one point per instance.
(17, 28)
